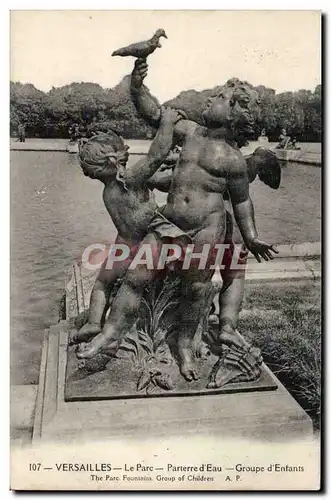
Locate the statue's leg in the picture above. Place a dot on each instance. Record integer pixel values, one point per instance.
(199, 346)
(232, 294)
(240, 361)
(99, 301)
(195, 288)
(230, 303)
(125, 307)
(197, 293)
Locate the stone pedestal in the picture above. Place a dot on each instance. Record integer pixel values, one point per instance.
(270, 413)
(74, 404)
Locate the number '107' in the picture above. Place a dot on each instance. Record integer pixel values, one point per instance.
(34, 466)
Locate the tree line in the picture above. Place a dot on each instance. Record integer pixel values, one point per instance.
(92, 107)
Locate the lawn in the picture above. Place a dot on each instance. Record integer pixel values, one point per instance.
(284, 321)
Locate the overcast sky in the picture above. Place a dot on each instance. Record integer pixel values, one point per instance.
(279, 49)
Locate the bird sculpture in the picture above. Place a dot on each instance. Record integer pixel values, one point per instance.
(141, 49)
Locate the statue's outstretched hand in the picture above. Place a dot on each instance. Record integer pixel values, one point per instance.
(139, 72)
(260, 249)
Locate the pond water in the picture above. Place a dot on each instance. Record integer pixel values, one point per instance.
(56, 212)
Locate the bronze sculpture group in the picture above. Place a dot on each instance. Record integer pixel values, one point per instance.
(208, 188)
(287, 142)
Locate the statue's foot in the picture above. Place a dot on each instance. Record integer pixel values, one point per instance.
(187, 367)
(230, 337)
(85, 334)
(99, 345)
(189, 371)
(222, 375)
(236, 365)
(96, 364)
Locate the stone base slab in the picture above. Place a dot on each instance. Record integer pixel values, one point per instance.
(271, 415)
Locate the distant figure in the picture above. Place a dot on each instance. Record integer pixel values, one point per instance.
(21, 132)
(74, 132)
(283, 140)
(294, 144)
(287, 142)
(263, 137)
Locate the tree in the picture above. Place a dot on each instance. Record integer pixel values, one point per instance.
(26, 107)
(93, 108)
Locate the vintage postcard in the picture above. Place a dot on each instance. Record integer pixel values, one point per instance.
(165, 250)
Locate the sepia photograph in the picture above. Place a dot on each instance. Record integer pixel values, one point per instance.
(165, 250)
